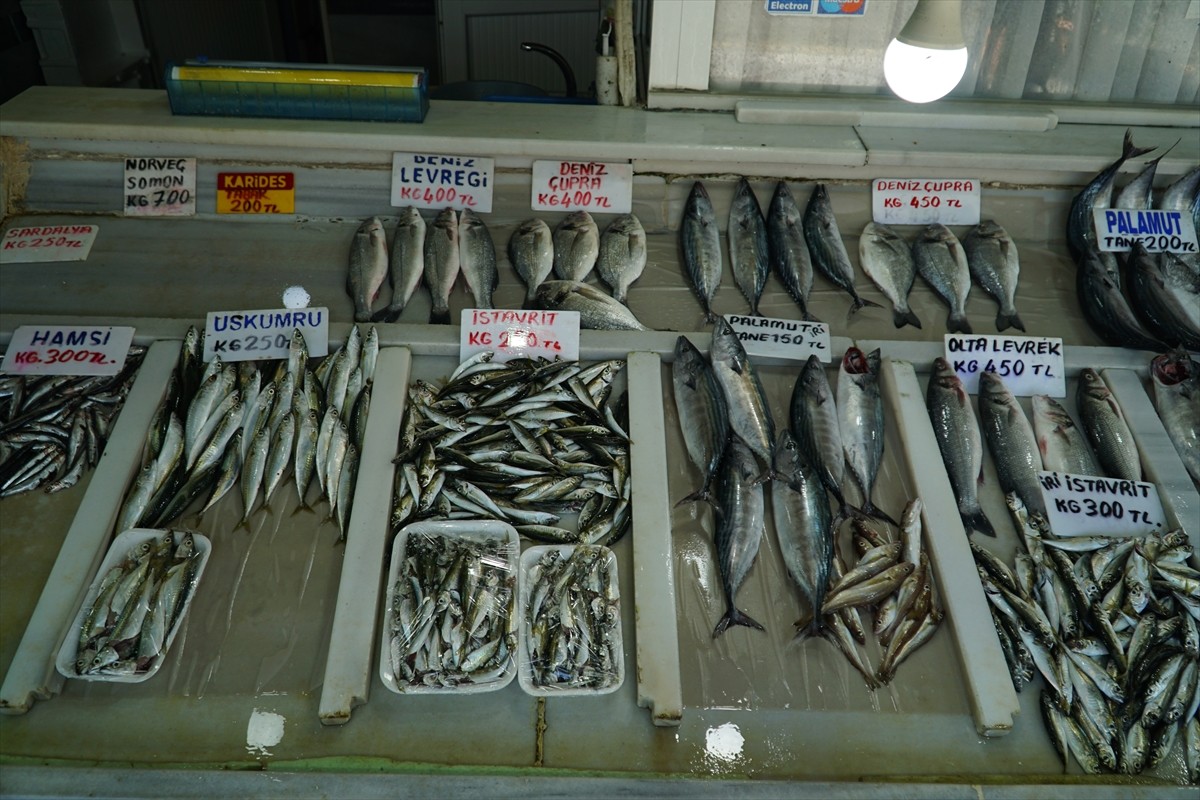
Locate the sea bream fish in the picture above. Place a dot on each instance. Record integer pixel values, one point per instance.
(957, 432)
(703, 415)
(1011, 442)
(861, 421)
(531, 251)
(1081, 231)
(803, 527)
(576, 246)
(740, 528)
(787, 248)
(368, 267)
(1176, 386)
(700, 243)
(888, 261)
(748, 244)
(749, 413)
(477, 257)
(622, 255)
(942, 263)
(441, 264)
(826, 247)
(993, 263)
(406, 263)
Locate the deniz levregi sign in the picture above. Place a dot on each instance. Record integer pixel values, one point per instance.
(436, 181)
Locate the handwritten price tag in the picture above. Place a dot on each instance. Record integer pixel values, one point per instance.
(259, 335)
(1157, 231)
(782, 338)
(431, 181)
(67, 350)
(48, 243)
(582, 186)
(1028, 365)
(256, 193)
(160, 187)
(519, 334)
(924, 201)
(1081, 505)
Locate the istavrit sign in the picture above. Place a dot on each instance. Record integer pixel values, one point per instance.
(1085, 505)
(519, 333)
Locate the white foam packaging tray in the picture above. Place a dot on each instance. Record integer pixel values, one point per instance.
(120, 548)
(483, 531)
(524, 666)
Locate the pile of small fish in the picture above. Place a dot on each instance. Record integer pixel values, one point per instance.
(1156, 304)
(1020, 450)
(459, 243)
(572, 619)
(1111, 624)
(453, 620)
(219, 426)
(55, 426)
(1175, 381)
(522, 442)
(136, 606)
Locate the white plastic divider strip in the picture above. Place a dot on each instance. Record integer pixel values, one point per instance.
(1160, 460)
(32, 674)
(659, 686)
(348, 666)
(989, 688)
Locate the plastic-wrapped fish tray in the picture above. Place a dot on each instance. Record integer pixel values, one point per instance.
(498, 548)
(121, 547)
(540, 677)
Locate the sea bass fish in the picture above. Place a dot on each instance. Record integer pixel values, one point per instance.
(803, 526)
(748, 244)
(703, 415)
(1011, 442)
(740, 528)
(787, 248)
(576, 246)
(368, 267)
(957, 432)
(406, 263)
(622, 255)
(477, 257)
(860, 419)
(993, 262)
(1059, 441)
(942, 263)
(531, 251)
(826, 247)
(442, 264)
(1106, 429)
(888, 261)
(700, 243)
(749, 414)
(1176, 387)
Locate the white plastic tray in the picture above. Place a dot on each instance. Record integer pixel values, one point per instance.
(473, 530)
(125, 542)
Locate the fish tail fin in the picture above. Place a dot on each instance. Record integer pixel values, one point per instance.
(975, 520)
(710, 318)
(362, 315)
(388, 314)
(1129, 150)
(700, 494)
(905, 317)
(860, 303)
(304, 506)
(735, 617)
(869, 509)
(439, 316)
(1005, 321)
(957, 323)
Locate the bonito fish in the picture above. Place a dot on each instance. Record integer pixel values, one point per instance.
(739, 530)
(748, 244)
(703, 416)
(814, 422)
(826, 247)
(1081, 232)
(1105, 307)
(749, 414)
(788, 249)
(803, 526)
(700, 243)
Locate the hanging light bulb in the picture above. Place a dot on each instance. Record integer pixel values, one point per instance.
(929, 56)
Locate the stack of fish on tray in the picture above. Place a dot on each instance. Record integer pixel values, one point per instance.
(793, 243)
(1175, 387)
(138, 602)
(222, 425)
(1142, 300)
(453, 612)
(729, 434)
(459, 243)
(523, 442)
(55, 426)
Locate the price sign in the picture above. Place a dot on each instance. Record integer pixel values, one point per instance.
(256, 193)
(519, 334)
(792, 339)
(1082, 505)
(160, 187)
(582, 186)
(259, 335)
(924, 201)
(39, 244)
(1157, 231)
(1028, 365)
(67, 350)
(431, 181)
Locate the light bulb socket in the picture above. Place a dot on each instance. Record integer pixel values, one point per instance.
(936, 25)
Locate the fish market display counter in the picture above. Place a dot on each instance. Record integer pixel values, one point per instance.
(273, 683)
